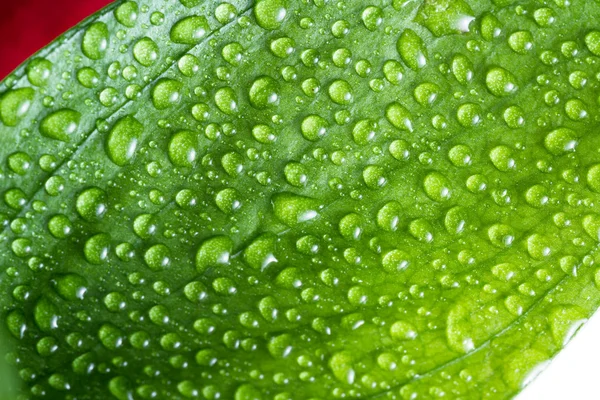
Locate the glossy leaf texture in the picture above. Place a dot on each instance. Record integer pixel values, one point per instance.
(301, 199)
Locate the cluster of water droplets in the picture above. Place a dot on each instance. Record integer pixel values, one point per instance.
(313, 200)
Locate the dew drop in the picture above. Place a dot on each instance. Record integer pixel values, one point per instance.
(270, 14)
(14, 105)
(189, 30)
(123, 140)
(145, 51)
(292, 209)
(183, 148)
(500, 82)
(95, 41)
(412, 49)
(264, 92)
(166, 93)
(60, 125)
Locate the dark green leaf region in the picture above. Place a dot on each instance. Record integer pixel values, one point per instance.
(301, 199)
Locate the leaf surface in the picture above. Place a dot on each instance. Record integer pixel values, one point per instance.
(301, 200)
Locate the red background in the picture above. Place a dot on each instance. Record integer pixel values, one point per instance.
(28, 25)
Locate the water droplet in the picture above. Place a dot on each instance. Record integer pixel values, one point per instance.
(501, 235)
(144, 225)
(38, 71)
(491, 27)
(296, 174)
(426, 93)
(247, 391)
(225, 13)
(292, 209)
(123, 140)
(264, 92)
(226, 100)
(270, 14)
(340, 28)
(183, 148)
(14, 105)
(565, 321)
(96, 248)
(19, 162)
(445, 17)
(71, 287)
(460, 155)
(521, 42)
(374, 176)
(92, 204)
(537, 196)
(469, 115)
(110, 336)
(395, 261)
(593, 178)
(189, 30)
(502, 158)
(46, 314)
(341, 365)
(261, 252)
(228, 200)
(283, 47)
(95, 41)
(412, 49)
(399, 116)
(340, 92)
(350, 226)
(166, 93)
(372, 17)
(576, 110)
(60, 226)
(88, 77)
(544, 16)
(145, 51)
(189, 65)
(500, 82)
(60, 125)
(456, 220)
(437, 187)
(157, 257)
(592, 41)
(313, 127)
(364, 131)
(400, 149)
(514, 116)
(393, 72)
(402, 330)
(15, 198)
(127, 13)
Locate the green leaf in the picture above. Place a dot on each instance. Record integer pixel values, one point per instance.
(301, 200)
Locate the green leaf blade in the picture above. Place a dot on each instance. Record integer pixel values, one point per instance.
(283, 200)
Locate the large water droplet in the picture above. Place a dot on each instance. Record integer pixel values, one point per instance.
(264, 92)
(412, 49)
(183, 148)
(445, 17)
(500, 82)
(270, 14)
(95, 41)
(14, 105)
(166, 93)
(61, 124)
(292, 209)
(214, 252)
(189, 30)
(123, 140)
(145, 51)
